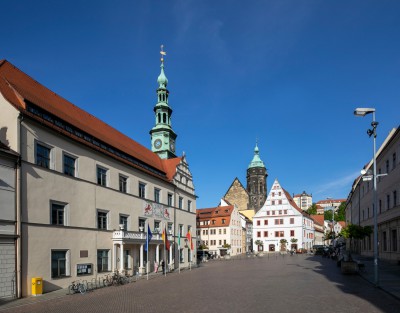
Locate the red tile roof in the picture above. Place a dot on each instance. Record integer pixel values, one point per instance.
(215, 214)
(318, 219)
(17, 87)
(331, 201)
(170, 167)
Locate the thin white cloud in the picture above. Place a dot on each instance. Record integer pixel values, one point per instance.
(340, 185)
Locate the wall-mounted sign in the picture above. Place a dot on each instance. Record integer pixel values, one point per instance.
(84, 269)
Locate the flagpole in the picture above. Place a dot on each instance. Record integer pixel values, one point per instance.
(165, 252)
(147, 251)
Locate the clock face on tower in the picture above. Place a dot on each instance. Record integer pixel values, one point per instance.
(157, 143)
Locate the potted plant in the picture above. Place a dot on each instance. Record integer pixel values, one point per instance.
(283, 243)
(294, 243)
(259, 244)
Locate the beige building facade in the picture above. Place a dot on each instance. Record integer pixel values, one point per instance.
(359, 204)
(218, 227)
(88, 193)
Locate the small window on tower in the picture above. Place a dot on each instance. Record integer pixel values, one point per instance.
(164, 118)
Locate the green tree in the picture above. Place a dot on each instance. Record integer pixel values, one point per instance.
(328, 215)
(202, 247)
(341, 212)
(312, 209)
(352, 231)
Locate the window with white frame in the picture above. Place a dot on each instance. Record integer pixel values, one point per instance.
(103, 261)
(43, 155)
(123, 183)
(123, 220)
(157, 195)
(102, 219)
(181, 230)
(101, 176)
(58, 214)
(170, 203)
(180, 203)
(60, 263)
(189, 204)
(157, 227)
(142, 190)
(69, 164)
(142, 224)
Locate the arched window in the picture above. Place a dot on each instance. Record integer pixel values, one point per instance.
(164, 118)
(159, 118)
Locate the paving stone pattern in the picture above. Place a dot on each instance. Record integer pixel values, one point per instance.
(272, 283)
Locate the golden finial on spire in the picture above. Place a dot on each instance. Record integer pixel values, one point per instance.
(162, 52)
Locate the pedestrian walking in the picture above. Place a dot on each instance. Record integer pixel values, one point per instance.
(163, 266)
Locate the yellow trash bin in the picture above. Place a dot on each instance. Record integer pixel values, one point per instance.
(37, 286)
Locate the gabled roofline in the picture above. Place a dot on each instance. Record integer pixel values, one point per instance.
(232, 185)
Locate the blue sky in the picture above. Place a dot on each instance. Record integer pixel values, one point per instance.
(288, 73)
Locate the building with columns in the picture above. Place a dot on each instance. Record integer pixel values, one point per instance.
(87, 192)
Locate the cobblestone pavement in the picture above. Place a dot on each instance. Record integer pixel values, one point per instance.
(272, 283)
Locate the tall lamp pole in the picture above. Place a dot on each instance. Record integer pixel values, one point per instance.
(372, 132)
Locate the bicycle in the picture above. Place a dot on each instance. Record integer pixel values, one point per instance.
(77, 286)
(108, 280)
(118, 279)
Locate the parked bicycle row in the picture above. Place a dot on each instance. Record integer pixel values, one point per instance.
(113, 279)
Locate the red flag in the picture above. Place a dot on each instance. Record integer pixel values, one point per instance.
(189, 238)
(165, 239)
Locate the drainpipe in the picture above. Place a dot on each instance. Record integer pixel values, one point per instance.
(19, 209)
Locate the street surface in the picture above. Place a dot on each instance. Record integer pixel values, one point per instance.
(300, 283)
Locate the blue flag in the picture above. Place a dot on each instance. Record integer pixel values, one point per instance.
(149, 236)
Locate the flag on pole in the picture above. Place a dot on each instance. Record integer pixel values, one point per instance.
(189, 238)
(165, 239)
(149, 236)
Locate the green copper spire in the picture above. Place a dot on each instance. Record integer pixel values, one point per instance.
(162, 135)
(162, 79)
(256, 162)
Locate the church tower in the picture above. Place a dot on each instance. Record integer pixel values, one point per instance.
(256, 182)
(162, 136)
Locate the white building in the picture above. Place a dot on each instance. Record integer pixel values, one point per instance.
(87, 192)
(280, 218)
(303, 200)
(220, 226)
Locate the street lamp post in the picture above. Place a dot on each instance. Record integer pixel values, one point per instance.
(372, 132)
